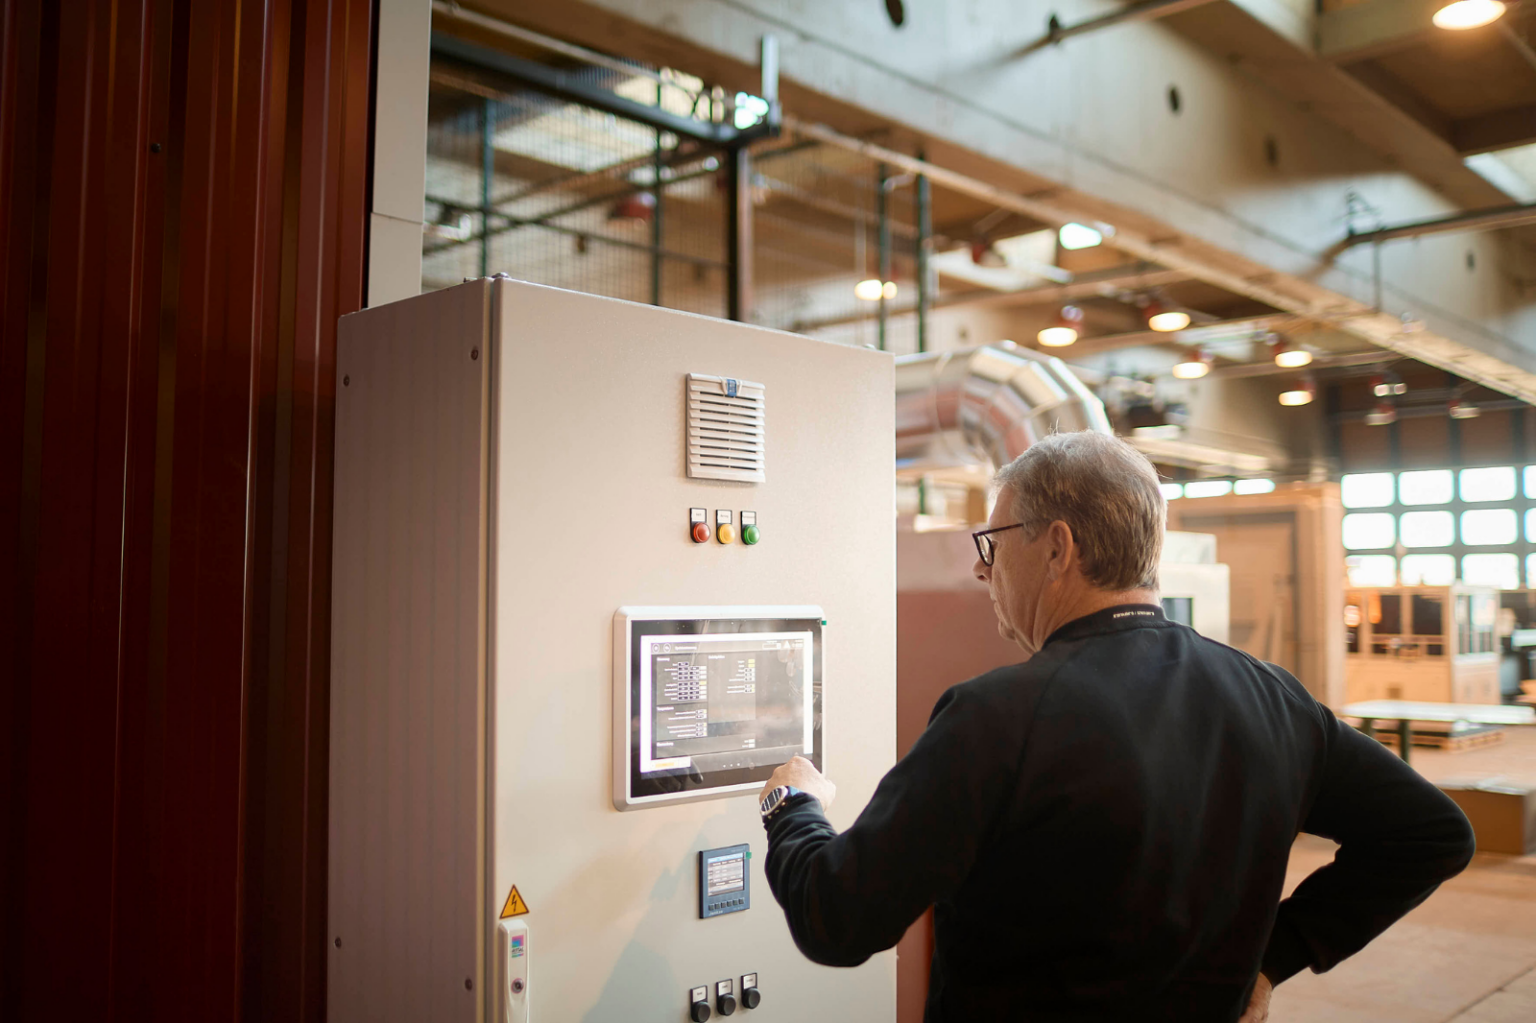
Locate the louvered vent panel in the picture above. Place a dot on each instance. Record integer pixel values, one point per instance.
(726, 429)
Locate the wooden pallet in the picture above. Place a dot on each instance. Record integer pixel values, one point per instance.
(1459, 742)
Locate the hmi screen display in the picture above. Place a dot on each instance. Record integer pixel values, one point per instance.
(724, 700)
(714, 704)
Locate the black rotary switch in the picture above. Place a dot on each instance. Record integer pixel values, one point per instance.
(698, 1012)
(751, 998)
(726, 1003)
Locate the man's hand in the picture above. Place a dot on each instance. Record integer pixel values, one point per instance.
(802, 774)
(1258, 1005)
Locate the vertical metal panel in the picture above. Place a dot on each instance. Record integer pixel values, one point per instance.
(408, 667)
(182, 187)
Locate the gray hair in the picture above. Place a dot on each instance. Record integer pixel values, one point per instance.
(1108, 495)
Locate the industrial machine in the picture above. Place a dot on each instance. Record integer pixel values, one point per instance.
(598, 569)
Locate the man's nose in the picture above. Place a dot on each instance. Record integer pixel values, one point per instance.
(983, 571)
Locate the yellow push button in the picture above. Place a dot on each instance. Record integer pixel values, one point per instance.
(725, 533)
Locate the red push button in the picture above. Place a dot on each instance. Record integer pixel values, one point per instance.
(700, 532)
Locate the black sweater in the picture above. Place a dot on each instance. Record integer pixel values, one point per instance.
(1103, 832)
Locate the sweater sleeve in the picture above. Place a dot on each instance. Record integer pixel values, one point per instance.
(1399, 838)
(847, 896)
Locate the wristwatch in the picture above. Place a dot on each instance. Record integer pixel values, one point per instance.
(775, 799)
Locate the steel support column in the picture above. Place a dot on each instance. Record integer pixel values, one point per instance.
(883, 218)
(738, 234)
(924, 251)
(487, 177)
(656, 237)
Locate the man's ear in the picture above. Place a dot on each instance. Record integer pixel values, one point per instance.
(1062, 549)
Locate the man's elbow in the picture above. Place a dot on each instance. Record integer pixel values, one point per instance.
(1461, 844)
(827, 956)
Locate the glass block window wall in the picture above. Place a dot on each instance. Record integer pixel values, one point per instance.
(1433, 527)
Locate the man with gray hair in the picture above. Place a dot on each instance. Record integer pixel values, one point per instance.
(1103, 830)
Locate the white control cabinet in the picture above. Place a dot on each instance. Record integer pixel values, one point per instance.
(514, 466)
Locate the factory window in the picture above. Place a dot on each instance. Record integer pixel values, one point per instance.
(1366, 490)
(1492, 484)
(1428, 486)
(1477, 530)
(1489, 527)
(1428, 570)
(1501, 570)
(1372, 570)
(1427, 529)
(1368, 530)
(1208, 488)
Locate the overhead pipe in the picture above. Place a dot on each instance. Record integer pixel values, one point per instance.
(1085, 286)
(1147, 11)
(1476, 220)
(986, 405)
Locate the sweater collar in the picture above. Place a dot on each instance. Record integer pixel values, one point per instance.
(1111, 619)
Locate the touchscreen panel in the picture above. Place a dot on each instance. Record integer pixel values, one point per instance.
(714, 704)
(724, 700)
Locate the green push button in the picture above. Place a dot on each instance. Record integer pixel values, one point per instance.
(749, 534)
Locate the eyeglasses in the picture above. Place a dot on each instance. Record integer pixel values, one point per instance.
(986, 547)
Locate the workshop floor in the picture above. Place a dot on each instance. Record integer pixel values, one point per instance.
(1467, 955)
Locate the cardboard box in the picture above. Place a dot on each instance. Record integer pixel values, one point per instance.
(1502, 812)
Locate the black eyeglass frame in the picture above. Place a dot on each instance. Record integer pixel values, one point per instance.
(987, 552)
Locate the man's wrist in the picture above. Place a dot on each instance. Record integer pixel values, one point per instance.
(776, 798)
(788, 806)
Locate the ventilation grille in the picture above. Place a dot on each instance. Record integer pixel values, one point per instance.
(726, 429)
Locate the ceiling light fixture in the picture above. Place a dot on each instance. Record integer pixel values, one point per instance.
(1164, 320)
(873, 291)
(1384, 414)
(634, 209)
(1385, 385)
(1465, 14)
(1287, 356)
(1463, 409)
(1079, 236)
(1194, 368)
(984, 253)
(1301, 394)
(1066, 329)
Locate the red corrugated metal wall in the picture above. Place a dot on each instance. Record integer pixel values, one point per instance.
(183, 195)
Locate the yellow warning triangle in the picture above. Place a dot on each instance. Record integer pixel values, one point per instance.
(515, 905)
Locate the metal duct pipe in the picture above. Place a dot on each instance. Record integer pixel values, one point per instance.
(987, 404)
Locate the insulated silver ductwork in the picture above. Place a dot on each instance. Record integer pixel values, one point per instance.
(985, 405)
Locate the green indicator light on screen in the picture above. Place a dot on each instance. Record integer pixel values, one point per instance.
(749, 534)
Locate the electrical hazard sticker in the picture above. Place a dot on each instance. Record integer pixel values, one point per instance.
(515, 905)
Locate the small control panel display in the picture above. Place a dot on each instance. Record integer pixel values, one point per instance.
(723, 880)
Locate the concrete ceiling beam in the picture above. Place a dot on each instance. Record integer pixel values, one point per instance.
(1501, 129)
(1361, 31)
